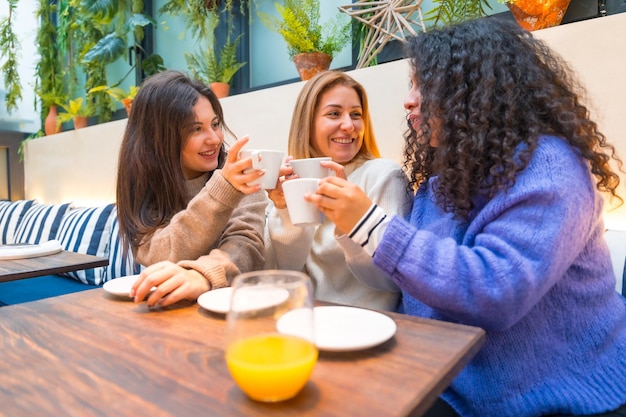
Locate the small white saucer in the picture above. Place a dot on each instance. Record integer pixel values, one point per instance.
(252, 298)
(217, 301)
(120, 286)
(342, 329)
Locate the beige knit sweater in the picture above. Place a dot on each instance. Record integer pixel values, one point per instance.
(219, 234)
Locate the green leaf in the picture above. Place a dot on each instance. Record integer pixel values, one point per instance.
(107, 50)
(139, 20)
(153, 64)
(102, 11)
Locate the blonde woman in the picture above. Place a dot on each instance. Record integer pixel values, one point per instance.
(331, 118)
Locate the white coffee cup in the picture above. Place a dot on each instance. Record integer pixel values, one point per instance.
(301, 212)
(311, 167)
(268, 160)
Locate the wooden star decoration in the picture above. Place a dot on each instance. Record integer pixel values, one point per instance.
(385, 20)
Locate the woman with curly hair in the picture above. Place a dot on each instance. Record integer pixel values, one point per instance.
(506, 230)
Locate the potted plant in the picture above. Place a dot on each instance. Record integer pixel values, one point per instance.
(310, 44)
(213, 69)
(49, 85)
(125, 97)
(51, 100)
(212, 64)
(118, 29)
(77, 111)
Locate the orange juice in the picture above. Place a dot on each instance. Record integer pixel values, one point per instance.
(271, 367)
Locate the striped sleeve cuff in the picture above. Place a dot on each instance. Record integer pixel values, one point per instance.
(368, 232)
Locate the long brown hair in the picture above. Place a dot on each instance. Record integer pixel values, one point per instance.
(303, 117)
(150, 181)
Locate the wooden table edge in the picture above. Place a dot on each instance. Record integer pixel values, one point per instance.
(420, 407)
(93, 262)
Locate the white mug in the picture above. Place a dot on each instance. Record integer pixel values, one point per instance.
(268, 160)
(301, 212)
(310, 167)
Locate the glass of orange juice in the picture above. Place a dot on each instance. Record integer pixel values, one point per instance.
(266, 364)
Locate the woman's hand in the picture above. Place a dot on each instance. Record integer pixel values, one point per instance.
(234, 169)
(171, 283)
(341, 201)
(334, 166)
(286, 174)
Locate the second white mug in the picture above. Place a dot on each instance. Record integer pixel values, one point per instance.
(310, 167)
(268, 160)
(301, 212)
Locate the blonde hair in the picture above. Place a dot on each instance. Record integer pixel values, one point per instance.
(303, 117)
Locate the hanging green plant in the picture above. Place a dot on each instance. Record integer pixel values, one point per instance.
(211, 62)
(49, 85)
(9, 47)
(446, 12)
(196, 14)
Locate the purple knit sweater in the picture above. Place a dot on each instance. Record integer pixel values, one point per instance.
(532, 268)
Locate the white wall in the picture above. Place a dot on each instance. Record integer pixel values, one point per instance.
(80, 165)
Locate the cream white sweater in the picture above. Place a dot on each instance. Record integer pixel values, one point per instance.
(341, 270)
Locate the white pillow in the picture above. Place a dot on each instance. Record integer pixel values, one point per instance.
(40, 223)
(120, 264)
(11, 213)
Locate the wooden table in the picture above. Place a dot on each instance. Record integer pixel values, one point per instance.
(57, 263)
(92, 354)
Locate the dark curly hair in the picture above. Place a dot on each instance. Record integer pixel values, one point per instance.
(488, 90)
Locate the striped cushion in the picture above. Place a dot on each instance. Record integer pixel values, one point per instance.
(11, 214)
(87, 230)
(120, 264)
(40, 223)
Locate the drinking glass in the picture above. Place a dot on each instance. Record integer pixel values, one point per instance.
(266, 364)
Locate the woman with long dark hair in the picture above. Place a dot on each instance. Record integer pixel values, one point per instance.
(184, 207)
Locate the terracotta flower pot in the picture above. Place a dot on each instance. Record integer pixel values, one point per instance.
(538, 14)
(221, 90)
(50, 124)
(80, 122)
(128, 105)
(310, 63)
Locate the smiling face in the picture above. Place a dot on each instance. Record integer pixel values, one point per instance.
(202, 147)
(338, 129)
(413, 103)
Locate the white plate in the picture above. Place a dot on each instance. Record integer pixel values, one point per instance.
(341, 329)
(120, 286)
(217, 301)
(28, 250)
(256, 298)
